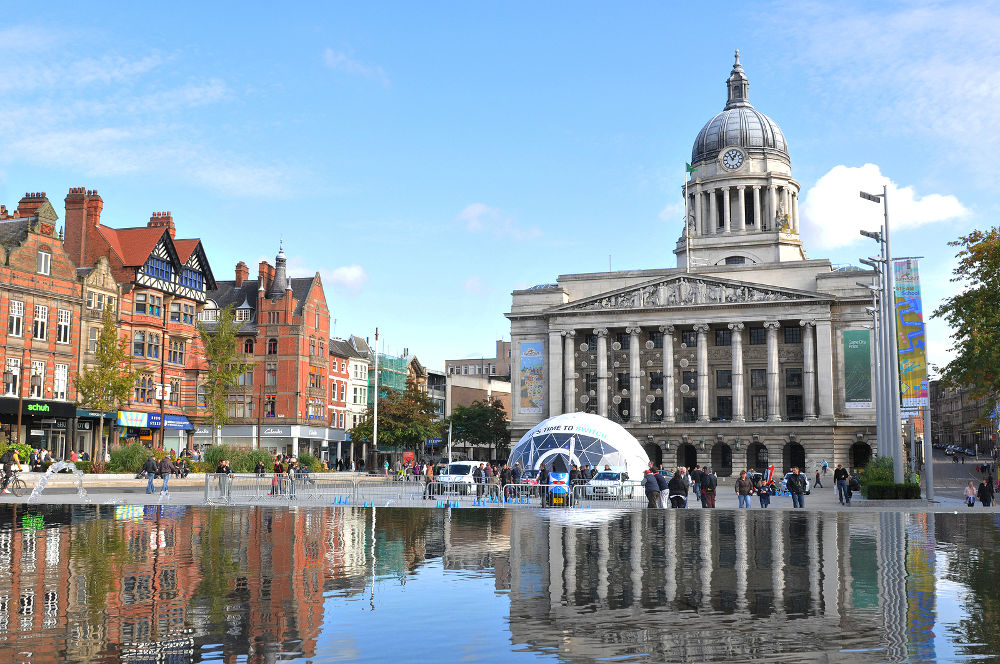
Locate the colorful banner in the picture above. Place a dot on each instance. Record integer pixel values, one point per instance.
(857, 369)
(532, 380)
(910, 334)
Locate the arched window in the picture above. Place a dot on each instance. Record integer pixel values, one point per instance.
(139, 344)
(248, 346)
(272, 346)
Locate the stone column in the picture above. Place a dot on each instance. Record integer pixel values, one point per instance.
(713, 211)
(739, 409)
(697, 210)
(602, 371)
(741, 210)
(555, 372)
(634, 367)
(824, 367)
(702, 331)
(668, 372)
(569, 373)
(808, 368)
(773, 394)
(772, 205)
(726, 209)
(795, 213)
(756, 207)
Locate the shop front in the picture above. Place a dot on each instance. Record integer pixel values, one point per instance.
(142, 427)
(87, 425)
(44, 424)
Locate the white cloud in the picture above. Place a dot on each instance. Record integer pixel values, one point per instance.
(673, 213)
(833, 212)
(346, 279)
(479, 217)
(346, 64)
(475, 285)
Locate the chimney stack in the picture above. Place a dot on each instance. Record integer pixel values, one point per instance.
(242, 273)
(83, 216)
(264, 275)
(30, 203)
(162, 220)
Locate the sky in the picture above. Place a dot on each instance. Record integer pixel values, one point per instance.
(429, 158)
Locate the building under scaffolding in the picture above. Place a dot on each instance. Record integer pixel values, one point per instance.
(392, 373)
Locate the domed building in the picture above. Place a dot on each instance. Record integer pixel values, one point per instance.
(746, 354)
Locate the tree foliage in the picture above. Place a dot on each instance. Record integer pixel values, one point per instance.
(405, 420)
(224, 365)
(108, 384)
(974, 316)
(482, 423)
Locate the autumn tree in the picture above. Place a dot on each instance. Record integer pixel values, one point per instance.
(405, 421)
(974, 317)
(224, 358)
(482, 423)
(108, 383)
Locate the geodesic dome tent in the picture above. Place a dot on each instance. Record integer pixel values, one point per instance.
(580, 438)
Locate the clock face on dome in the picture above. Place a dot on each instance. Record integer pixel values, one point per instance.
(732, 159)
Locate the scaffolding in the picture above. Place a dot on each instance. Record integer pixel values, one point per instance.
(392, 373)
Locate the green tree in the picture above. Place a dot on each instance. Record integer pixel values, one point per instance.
(224, 366)
(405, 421)
(108, 384)
(482, 423)
(974, 317)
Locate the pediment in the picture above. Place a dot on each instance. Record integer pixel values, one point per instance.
(683, 291)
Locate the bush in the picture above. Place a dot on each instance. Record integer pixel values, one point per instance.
(258, 455)
(23, 451)
(890, 491)
(241, 459)
(309, 461)
(128, 458)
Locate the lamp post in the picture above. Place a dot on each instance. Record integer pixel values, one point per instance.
(889, 418)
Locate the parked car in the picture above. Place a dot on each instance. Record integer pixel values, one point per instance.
(969, 452)
(457, 478)
(784, 482)
(608, 484)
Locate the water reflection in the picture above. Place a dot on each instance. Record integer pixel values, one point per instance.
(120, 583)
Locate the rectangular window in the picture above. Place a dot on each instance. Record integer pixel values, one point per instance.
(322, 348)
(690, 378)
(270, 403)
(271, 374)
(14, 368)
(689, 338)
(341, 420)
(41, 322)
(43, 262)
(140, 303)
(343, 389)
(315, 377)
(758, 337)
(155, 307)
(241, 405)
(622, 339)
(175, 392)
(622, 381)
(793, 335)
(208, 315)
(758, 378)
(96, 300)
(175, 312)
(243, 314)
(175, 351)
(655, 380)
(157, 268)
(656, 410)
(793, 377)
(63, 321)
(15, 319)
(245, 379)
(192, 278)
(793, 406)
(690, 406)
(61, 379)
(202, 396)
(95, 333)
(37, 376)
(758, 407)
(188, 314)
(724, 407)
(723, 337)
(465, 369)
(657, 339)
(724, 379)
(139, 344)
(312, 347)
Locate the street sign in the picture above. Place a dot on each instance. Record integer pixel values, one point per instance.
(874, 198)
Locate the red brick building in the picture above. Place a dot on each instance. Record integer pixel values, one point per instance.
(164, 281)
(282, 404)
(40, 297)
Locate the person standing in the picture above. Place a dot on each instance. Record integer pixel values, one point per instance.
(678, 490)
(840, 481)
(709, 485)
(652, 487)
(986, 491)
(763, 492)
(819, 482)
(797, 487)
(744, 487)
(664, 486)
(696, 476)
(970, 494)
(166, 467)
(150, 468)
(477, 478)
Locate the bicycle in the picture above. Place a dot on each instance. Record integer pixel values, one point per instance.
(16, 485)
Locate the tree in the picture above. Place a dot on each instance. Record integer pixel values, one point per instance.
(224, 368)
(974, 317)
(108, 384)
(482, 423)
(405, 420)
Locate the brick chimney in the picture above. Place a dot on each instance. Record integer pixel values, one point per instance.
(162, 220)
(83, 216)
(27, 206)
(265, 274)
(242, 273)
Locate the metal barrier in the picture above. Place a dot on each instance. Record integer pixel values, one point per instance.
(615, 496)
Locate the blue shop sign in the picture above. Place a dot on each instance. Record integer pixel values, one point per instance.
(169, 421)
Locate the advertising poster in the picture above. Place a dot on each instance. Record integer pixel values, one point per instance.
(857, 369)
(532, 381)
(910, 334)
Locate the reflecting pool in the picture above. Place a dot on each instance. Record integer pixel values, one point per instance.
(197, 584)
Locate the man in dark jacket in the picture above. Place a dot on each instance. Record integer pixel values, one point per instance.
(574, 476)
(652, 488)
(796, 485)
(986, 491)
(515, 473)
(696, 475)
(677, 490)
(664, 486)
(478, 476)
(150, 468)
(709, 485)
(840, 481)
(166, 467)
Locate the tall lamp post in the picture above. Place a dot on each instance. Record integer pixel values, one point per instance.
(889, 417)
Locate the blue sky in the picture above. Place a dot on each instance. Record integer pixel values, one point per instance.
(428, 158)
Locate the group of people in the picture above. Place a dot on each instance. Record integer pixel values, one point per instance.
(163, 469)
(287, 472)
(985, 492)
(704, 484)
(410, 470)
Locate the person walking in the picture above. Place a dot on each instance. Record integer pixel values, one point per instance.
(762, 490)
(652, 488)
(150, 468)
(840, 481)
(166, 467)
(819, 482)
(970, 494)
(664, 486)
(744, 487)
(797, 487)
(709, 485)
(677, 489)
(986, 491)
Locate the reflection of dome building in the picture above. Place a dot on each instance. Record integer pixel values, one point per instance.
(746, 354)
(580, 439)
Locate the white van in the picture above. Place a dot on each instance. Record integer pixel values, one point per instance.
(457, 477)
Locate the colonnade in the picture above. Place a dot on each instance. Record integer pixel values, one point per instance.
(704, 200)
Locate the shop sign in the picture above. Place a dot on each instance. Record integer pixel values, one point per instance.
(84, 426)
(128, 418)
(169, 421)
(203, 431)
(276, 431)
(93, 413)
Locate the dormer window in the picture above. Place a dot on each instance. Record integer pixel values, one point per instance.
(243, 314)
(157, 268)
(192, 279)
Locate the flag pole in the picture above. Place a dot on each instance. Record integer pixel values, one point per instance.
(687, 228)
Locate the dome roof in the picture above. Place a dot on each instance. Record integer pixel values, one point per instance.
(580, 438)
(739, 125)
